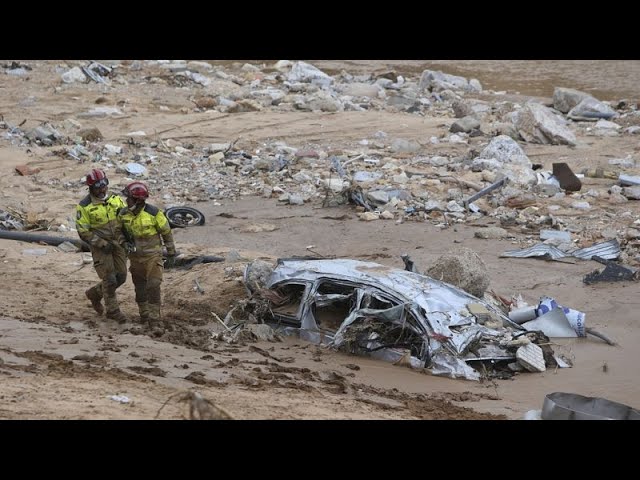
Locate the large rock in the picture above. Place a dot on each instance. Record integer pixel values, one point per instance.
(361, 90)
(538, 124)
(591, 109)
(505, 150)
(73, 75)
(631, 192)
(461, 109)
(401, 145)
(564, 99)
(305, 72)
(245, 105)
(491, 233)
(401, 101)
(268, 96)
(321, 101)
(438, 81)
(465, 124)
(462, 268)
(258, 273)
(90, 134)
(504, 155)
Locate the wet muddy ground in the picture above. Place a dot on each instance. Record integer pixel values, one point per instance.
(58, 360)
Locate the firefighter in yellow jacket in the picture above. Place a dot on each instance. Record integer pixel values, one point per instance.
(97, 224)
(146, 228)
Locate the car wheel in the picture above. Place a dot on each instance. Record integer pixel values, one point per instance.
(181, 217)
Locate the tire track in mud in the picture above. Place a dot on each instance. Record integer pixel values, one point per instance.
(237, 132)
(326, 384)
(315, 127)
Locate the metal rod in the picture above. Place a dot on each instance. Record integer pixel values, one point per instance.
(484, 191)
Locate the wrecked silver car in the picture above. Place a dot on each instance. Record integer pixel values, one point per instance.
(388, 313)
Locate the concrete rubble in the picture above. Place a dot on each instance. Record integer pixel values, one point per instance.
(379, 165)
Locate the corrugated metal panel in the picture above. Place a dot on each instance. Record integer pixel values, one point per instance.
(539, 250)
(608, 250)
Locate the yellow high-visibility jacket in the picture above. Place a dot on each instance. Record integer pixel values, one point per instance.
(149, 229)
(96, 220)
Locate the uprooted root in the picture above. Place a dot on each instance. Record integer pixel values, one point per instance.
(199, 407)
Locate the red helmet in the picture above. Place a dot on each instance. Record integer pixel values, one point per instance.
(97, 178)
(136, 190)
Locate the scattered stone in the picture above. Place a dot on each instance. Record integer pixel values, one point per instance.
(90, 134)
(465, 124)
(463, 268)
(632, 193)
(491, 233)
(74, 75)
(25, 170)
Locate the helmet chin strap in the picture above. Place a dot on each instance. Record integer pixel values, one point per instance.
(99, 195)
(136, 207)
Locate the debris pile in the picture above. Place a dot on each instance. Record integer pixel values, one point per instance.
(399, 316)
(476, 168)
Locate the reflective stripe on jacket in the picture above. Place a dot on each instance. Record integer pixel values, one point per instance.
(98, 218)
(149, 228)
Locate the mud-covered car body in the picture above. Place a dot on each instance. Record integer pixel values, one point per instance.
(365, 307)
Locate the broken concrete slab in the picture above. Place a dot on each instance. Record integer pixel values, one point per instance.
(530, 356)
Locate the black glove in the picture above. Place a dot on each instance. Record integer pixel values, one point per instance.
(129, 247)
(170, 261)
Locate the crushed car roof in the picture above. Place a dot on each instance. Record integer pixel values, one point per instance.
(431, 294)
(450, 333)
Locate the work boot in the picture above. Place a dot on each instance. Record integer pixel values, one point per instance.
(143, 308)
(118, 316)
(95, 299)
(155, 323)
(156, 327)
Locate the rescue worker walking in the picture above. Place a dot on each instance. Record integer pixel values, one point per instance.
(145, 228)
(97, 224)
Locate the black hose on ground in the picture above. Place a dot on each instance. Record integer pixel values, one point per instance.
(39, 238)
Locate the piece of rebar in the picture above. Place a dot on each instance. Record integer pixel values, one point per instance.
(220, 320)
(484, 191)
